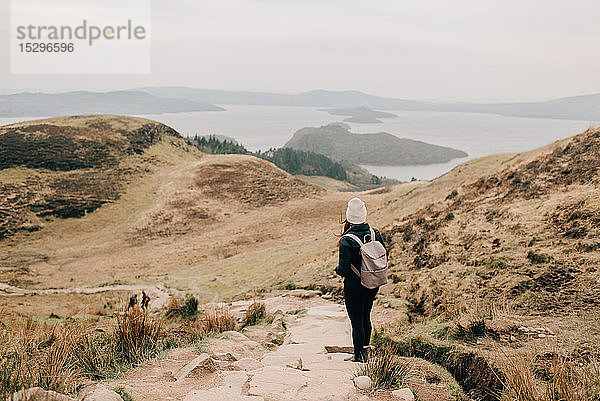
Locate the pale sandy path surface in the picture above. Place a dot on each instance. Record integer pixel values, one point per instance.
(159, 297)
(326, 376)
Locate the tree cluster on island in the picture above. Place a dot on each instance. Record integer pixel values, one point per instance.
(293, 161)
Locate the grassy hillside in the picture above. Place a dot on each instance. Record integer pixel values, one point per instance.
(504, 266)
(381, 149)
(67, 167)
(152, 206)
(526, 233)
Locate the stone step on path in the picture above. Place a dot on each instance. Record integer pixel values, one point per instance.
(300, 369)
(204, 360)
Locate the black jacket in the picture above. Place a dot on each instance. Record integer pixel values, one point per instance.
(350, 252)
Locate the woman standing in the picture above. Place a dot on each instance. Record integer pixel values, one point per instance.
(358, 298)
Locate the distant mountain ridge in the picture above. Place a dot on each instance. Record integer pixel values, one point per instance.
(28, 104)
(586, 107)
(313, 98)
(157, 100)
(380, 149)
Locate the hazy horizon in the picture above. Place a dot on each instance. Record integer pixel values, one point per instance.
(476, 51)
(9, 91)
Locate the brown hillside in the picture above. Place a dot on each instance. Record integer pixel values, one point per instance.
(155, 205)
(216, 190)
(253, 182)
(67, 167)
(72, 143)
(526, 233)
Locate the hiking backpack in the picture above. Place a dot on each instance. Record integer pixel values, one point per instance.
(374, 263)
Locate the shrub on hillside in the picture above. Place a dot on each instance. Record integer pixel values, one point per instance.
(537, 258)
(468, 332)
(219, 320)
(136, 336)
(255, 312)
(183, 309)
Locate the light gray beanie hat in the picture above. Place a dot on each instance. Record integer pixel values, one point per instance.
(356, 213)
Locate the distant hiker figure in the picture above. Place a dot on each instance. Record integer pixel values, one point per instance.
(145, 300)
(363, 265)
(132, 301)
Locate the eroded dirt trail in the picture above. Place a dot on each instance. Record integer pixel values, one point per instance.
(159, 297)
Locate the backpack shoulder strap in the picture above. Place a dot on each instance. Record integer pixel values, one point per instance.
(360, 243)
(372, 234)
(354, 237)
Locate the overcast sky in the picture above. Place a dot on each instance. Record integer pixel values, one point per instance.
(477, 50)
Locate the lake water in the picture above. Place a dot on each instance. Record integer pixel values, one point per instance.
(263, 127)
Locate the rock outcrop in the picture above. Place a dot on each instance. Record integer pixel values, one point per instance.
(39, 394)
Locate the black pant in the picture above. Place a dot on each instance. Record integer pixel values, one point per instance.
(359, 302)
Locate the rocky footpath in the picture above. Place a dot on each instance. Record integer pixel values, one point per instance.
(299, 355)
(299, 369)
(284, 360)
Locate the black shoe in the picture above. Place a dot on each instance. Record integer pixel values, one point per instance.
(354, 358)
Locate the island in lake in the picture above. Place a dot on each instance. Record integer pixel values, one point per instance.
(378, 149)
(363, 115)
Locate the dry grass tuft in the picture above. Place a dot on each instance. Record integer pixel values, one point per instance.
(386, 369)
(184, 332)
(520, 380)
(137, 336)
(468, 332)
(184, 309)
(95, 356)
(255, 312)
(32, 355)
(565, 380)
(470, 322)
(58, 356)
(219, 320)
